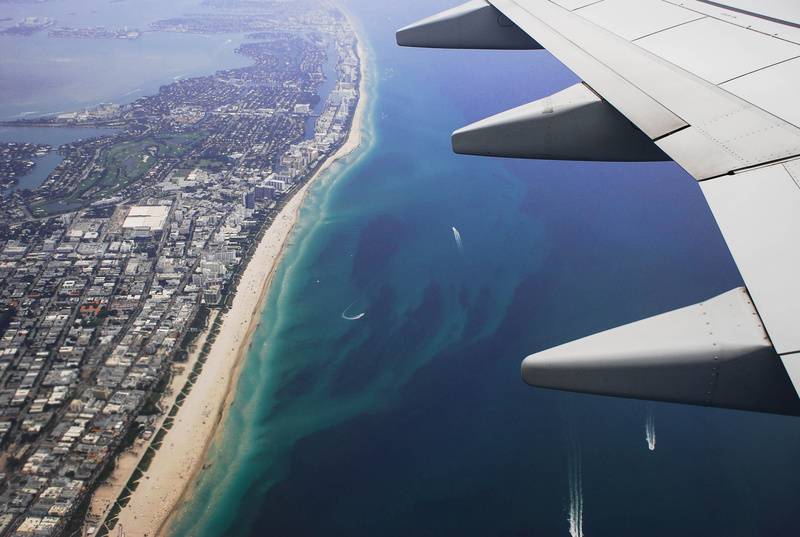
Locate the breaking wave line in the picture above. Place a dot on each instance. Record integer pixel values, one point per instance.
(575, 517)
(650, 428)
(457, 236)
(351, 317)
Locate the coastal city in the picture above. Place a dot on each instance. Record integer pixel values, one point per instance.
(133, 247)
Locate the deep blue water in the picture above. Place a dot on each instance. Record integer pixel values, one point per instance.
(412, 420)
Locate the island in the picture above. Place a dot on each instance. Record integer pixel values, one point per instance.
(15, 161)
(28, 26)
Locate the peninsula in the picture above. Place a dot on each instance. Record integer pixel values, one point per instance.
(132, 279)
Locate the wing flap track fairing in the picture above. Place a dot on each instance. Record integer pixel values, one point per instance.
(715, 353)
(475, 25)
(573, 124)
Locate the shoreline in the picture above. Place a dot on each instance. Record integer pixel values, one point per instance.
(107, 492)
(167, 483)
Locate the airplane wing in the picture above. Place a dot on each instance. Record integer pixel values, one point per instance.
(709, 85)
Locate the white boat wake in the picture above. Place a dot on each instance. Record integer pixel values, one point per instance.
(650, 428)
(457, 236)
(575, 516)
(351, 317)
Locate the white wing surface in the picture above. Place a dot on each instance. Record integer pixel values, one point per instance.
(712, 86)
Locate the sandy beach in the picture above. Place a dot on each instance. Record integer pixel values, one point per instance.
(167, 482)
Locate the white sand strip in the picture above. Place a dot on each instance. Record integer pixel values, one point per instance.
(182, 454)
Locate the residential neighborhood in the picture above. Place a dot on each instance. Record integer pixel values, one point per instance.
(110, 268)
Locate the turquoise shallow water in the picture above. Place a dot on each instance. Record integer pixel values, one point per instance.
(412, 419)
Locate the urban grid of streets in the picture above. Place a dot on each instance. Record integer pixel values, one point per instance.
(109, 269)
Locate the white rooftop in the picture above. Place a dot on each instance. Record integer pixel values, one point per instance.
(152, 216)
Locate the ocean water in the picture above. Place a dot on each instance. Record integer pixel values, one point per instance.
(411, 419)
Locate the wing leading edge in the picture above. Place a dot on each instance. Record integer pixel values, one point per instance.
(707, 85)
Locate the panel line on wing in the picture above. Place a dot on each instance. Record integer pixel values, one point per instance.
(673, 132)
(666, 29)
(763, 165)
(761, 25)
(762, 68)
(585, 6)
(575, 5)
(751, 13)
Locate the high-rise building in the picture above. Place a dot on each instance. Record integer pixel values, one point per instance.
(249, 200)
